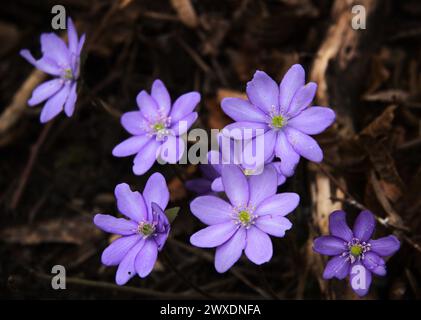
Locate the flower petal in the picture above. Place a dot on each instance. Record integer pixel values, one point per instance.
(235, 185)
(69, 106)
(242, 110)
(329, 245)
(385, 246)
(130, 203)
(313, 120)
(228, 253)
(211, 210)
(156, 190)
(184, 105)
(217, 185)
(263, 92)
(214, 235)
(53, 47)
(289, 157)
(263, 185)
(72, 36)
(364, 226)
(279, 204)
(115, 225)
(172, 149)
(374, 263)
(117, 250)
(259, 246)
(146, 157)
(258, 150)
(147, 106)
(55, 104)
(244, 130)
(292, 81)
(199, 185)
(130, 146)
(360, 279)
(134, 122)
(181, 127)
(273, 225)
(44, 64)
(304, 145)
(81, 42)
(302, 99)
(338, 226)
(44, 91)
(126, 269)
(337, 267)
(160, 93)
(146, 258)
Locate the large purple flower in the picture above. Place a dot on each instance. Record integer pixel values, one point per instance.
(157, 127)
(142, 235)
(283, 114)
(254, 210)
(62, 62)
(354, 252)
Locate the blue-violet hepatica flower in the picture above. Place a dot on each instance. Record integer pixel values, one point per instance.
(254, 210)
(63, 63)
(354, 252)
(157, 127)
(143, 234)
(284, 114)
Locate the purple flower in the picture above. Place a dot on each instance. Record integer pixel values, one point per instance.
(157, 127)
(283, 114)
(143, 234)
(62, 62)
(254, 210)
(203, 185)
(354, 252)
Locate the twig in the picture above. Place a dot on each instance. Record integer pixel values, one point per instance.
(29, 166)
(233, 270)
(183, 277)
(195, 57)
(13, 112)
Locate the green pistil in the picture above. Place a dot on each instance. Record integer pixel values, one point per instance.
(278, 121)
(158, 127)
(356, 250)
(146, 229)
(244, 217)
(68, 75)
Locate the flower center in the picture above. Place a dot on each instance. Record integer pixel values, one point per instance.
(248, 172)
(243, 216)
(356, 250)
(159, 127)
(278, 122)
(146, 229)
(68, 74)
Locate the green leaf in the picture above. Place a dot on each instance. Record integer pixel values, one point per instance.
(172, 213)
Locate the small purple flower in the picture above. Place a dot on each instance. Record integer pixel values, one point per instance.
(284, 115)
(143, 235)
(354, 252)
(62, 62)
(203, 185)
(254, 210)
(157, 127)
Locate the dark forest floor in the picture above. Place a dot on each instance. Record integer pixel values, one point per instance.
(55, 177)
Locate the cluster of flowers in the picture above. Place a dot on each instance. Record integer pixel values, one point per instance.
(240, 207)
